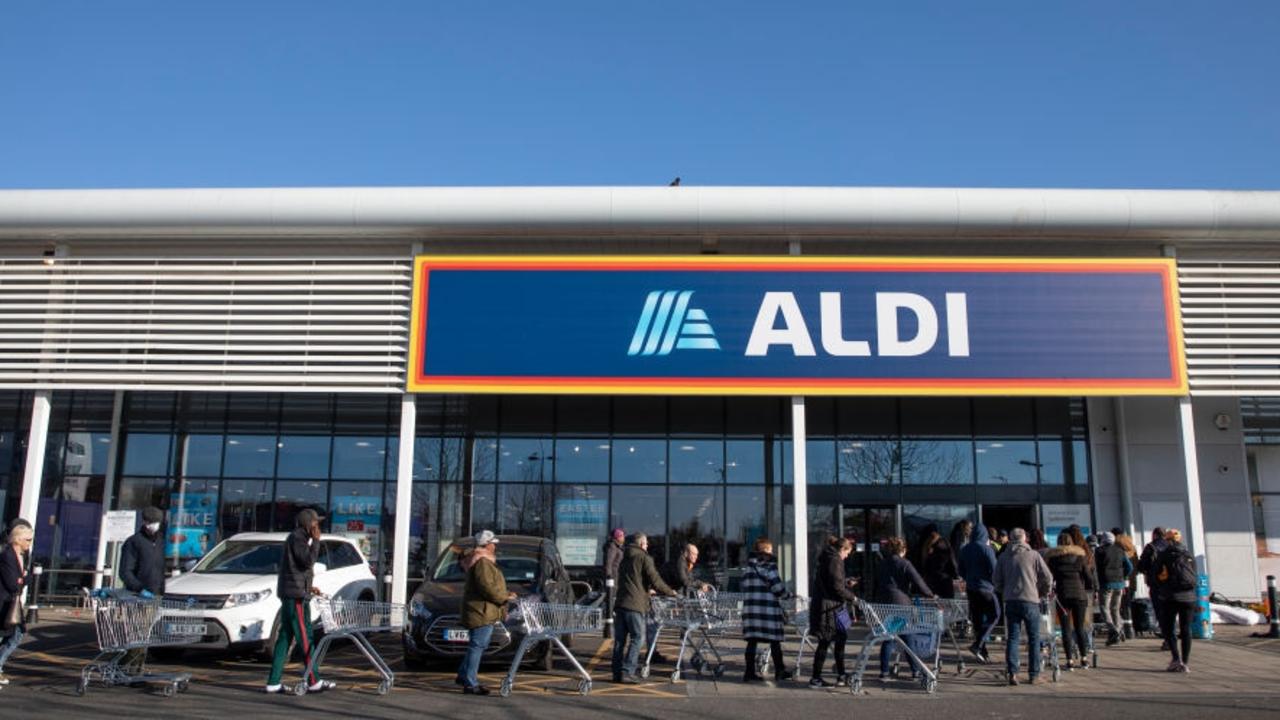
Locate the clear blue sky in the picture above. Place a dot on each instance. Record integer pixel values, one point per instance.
(294, 92)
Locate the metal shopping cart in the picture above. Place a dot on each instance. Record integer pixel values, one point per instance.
(795, 613)
(549, 622)
(699, 618)
(354, 619)
(127, 626)
(1050, 635)
(892, 623)
(955, 615)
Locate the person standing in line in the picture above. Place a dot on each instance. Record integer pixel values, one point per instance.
(612, 559)
(637, 575)
(295, 587)
(1176, 578)
(1113, 576)
(15, 575)
(678, 573)
(1146, 568)
(1075, 586)
(977, 566)
(484, 601)
(762, 619)
(142, 557)
(940, 570)
(894, 583)
(829, 593)
(1023, 579)
(1131, 583)
(960, 535)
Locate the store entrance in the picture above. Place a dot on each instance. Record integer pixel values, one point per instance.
(865, 526)
(1008, 517)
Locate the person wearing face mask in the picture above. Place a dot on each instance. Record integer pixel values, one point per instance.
(142, 559)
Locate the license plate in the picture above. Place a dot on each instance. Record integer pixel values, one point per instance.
(200, 629)
(457, 635)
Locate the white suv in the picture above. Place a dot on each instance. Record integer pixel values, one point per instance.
(233, 588)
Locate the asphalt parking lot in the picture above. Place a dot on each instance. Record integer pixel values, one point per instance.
(1233, 676)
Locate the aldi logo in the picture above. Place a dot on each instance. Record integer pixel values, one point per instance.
(668, 323)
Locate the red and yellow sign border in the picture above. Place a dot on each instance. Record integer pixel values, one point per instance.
(1176, 384)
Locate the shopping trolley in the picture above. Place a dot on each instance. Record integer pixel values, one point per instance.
(127, 626)
(1050, 636)
(700, 618)
(889, 623)
(354, 619)
(955, 615)
(795, 613)
(549, 622)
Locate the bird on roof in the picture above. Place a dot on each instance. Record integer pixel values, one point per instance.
(675, 182)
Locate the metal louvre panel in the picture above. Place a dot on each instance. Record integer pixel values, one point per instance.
(1231, 323)
(334, 325)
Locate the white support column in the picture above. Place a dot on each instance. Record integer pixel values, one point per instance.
(1195, 517)
(33, 472)
(800, 496)
(109, 485)
(404, 499)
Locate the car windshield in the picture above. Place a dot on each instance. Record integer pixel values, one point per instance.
(518, 564)
(243, 557)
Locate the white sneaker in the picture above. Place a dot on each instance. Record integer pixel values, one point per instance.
(321, 686)
(277, 688)
(3, 680)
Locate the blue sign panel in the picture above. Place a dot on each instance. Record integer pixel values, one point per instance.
(726, 325)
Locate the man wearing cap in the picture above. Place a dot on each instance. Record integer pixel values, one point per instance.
(142, 558)
(295, 588)
(483, 601)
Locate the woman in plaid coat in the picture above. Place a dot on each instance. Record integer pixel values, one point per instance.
(762, 619)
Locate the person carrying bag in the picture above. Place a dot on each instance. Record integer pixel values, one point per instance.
(15, 575)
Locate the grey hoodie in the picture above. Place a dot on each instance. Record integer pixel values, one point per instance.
(1022, 574)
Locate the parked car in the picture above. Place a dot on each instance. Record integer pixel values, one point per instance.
(234, 588)
(531, 566)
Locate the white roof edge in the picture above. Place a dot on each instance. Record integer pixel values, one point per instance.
(424, 212)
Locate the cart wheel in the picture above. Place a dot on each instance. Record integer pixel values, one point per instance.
(675, 676)
(1057, 673)
(584, 687)
(384, 687)
(82, 686)
(644, 672)
(719, 671)
(505, 689)
(183, 685)
(855, 687)
(930, 685)
(762, 664)
(168, 689)
(300, 689)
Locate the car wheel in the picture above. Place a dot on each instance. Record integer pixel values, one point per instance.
(366, 596)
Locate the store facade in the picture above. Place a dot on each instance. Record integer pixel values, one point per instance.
(251, 379)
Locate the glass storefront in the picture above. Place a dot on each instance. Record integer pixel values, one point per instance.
(714, 472)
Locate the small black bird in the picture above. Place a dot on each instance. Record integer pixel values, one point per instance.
(675, 182)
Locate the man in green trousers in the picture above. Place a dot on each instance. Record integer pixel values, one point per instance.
(297, 567)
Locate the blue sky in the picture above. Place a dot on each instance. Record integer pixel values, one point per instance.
(285, 92)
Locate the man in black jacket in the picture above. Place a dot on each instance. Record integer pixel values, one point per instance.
(142, 558)
(294, 588)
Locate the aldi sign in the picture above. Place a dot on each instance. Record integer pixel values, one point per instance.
(713, 325)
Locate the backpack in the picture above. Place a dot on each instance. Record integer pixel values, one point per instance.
(1179, 572)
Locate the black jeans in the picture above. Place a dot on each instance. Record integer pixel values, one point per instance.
(1171, 612)
(820, 654)
(984, 611)
(775, 650)
(1073, 616)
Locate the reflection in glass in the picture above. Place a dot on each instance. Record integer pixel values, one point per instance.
(524, 509)
(697, 461)
(202, 455)
(359, 457)
(525, 460)
(744, 461)
(697, 517)
(355, 511)
(484, 460)
(937, 462)
(144, 453)
(193, 519)
(294, 496)
(246, 506)
(639, 461)
(868, 461)
(581, 523)
(250, 456)
(916, 518)
(820, 461)
(426, 458)
(582, 460)
(642, 509)
(303, 456)
(140, 493)
(1080, 462)
(1053, 461)
(745, 520)
(1006, 462)
(484, 505)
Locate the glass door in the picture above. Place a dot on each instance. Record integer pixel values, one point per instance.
(866, 526)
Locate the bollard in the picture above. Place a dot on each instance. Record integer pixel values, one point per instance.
(33, 612)
(1275, 611)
